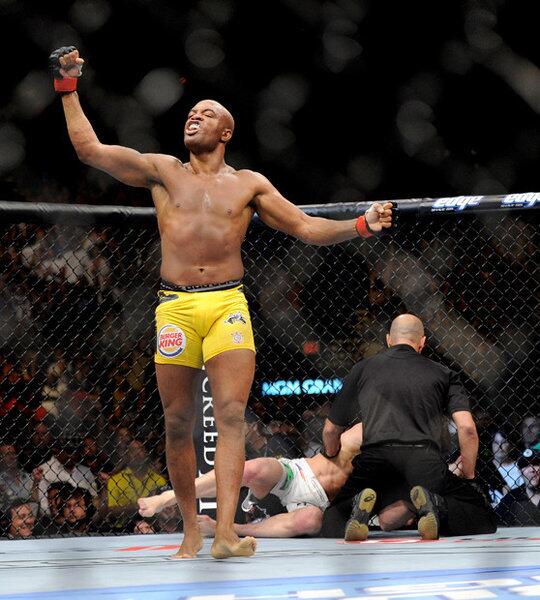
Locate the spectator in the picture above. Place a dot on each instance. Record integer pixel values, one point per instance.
(91, 457)
(505, 461)
(170, 520)
(142, 527)
(258, 408)
(78, 510)
(66, 261)
(31, 382)
(58, 367)
(118, 444)
(256, 440)
(520, 507)
(98, 462)
(97, 269)
(33, 255)
(39, 448)
(53, 524)
(530, 431)
(273, 427)
(78, 409)
(52, 389)
(282, 443)
(14, 483)
(259, 443)
(137, 365)
(20, 520)
(64, 467)
(137, 480)
(117, 397)
(12, 391)
(155, 441)
(55, 383)
(488, 473)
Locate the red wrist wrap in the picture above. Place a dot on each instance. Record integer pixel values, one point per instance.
(68, 84)
(362, 227)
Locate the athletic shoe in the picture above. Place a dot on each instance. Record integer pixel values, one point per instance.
(357, 528)
(428, 516)
(254, 511)
(249, 502)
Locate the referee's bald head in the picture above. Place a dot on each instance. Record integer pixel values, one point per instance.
(407, 329)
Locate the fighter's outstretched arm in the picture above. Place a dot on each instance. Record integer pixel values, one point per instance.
(125, 164)
(277, 212)
(149, 506)
(302, 521)
(205, 487)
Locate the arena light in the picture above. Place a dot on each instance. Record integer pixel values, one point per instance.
(90, 15)
(204, 48)
(33, 94)
(12, 147)
(159, 90)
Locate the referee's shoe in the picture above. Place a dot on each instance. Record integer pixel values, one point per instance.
(428, 506)
(357, 528)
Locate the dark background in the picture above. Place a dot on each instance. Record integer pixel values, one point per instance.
(334, 101)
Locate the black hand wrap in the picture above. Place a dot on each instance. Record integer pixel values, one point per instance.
(62, 84)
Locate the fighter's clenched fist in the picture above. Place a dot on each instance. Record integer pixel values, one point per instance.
(66, 67)
(379, 216)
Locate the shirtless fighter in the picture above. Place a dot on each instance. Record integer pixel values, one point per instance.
(203, 209)
(304, 486)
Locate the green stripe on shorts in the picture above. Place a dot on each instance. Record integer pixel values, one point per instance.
(289, 475)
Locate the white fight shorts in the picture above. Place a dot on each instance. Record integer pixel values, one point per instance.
(298, 487)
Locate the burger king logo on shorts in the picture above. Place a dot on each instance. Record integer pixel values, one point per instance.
(171, 341)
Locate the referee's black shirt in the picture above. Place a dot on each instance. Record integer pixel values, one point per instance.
(399, 396)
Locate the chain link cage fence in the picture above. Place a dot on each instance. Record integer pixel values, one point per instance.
(82, 435)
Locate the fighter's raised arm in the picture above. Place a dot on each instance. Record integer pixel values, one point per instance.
(277, 212)
(125, 164)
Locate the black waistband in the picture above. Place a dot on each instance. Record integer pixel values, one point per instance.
(408, 444)
(205, 287)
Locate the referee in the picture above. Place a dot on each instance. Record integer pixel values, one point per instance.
(401, 398)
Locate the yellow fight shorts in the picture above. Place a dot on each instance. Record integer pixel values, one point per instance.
(199, 322)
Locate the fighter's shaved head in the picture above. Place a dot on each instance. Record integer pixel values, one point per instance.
(407, 329)
(224, 113)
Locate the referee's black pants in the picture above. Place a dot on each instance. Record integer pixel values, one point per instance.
(392, 470)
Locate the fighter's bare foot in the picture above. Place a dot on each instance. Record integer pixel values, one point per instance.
(207, 525)
(148, 507)
(189, 547)
(226, 548)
